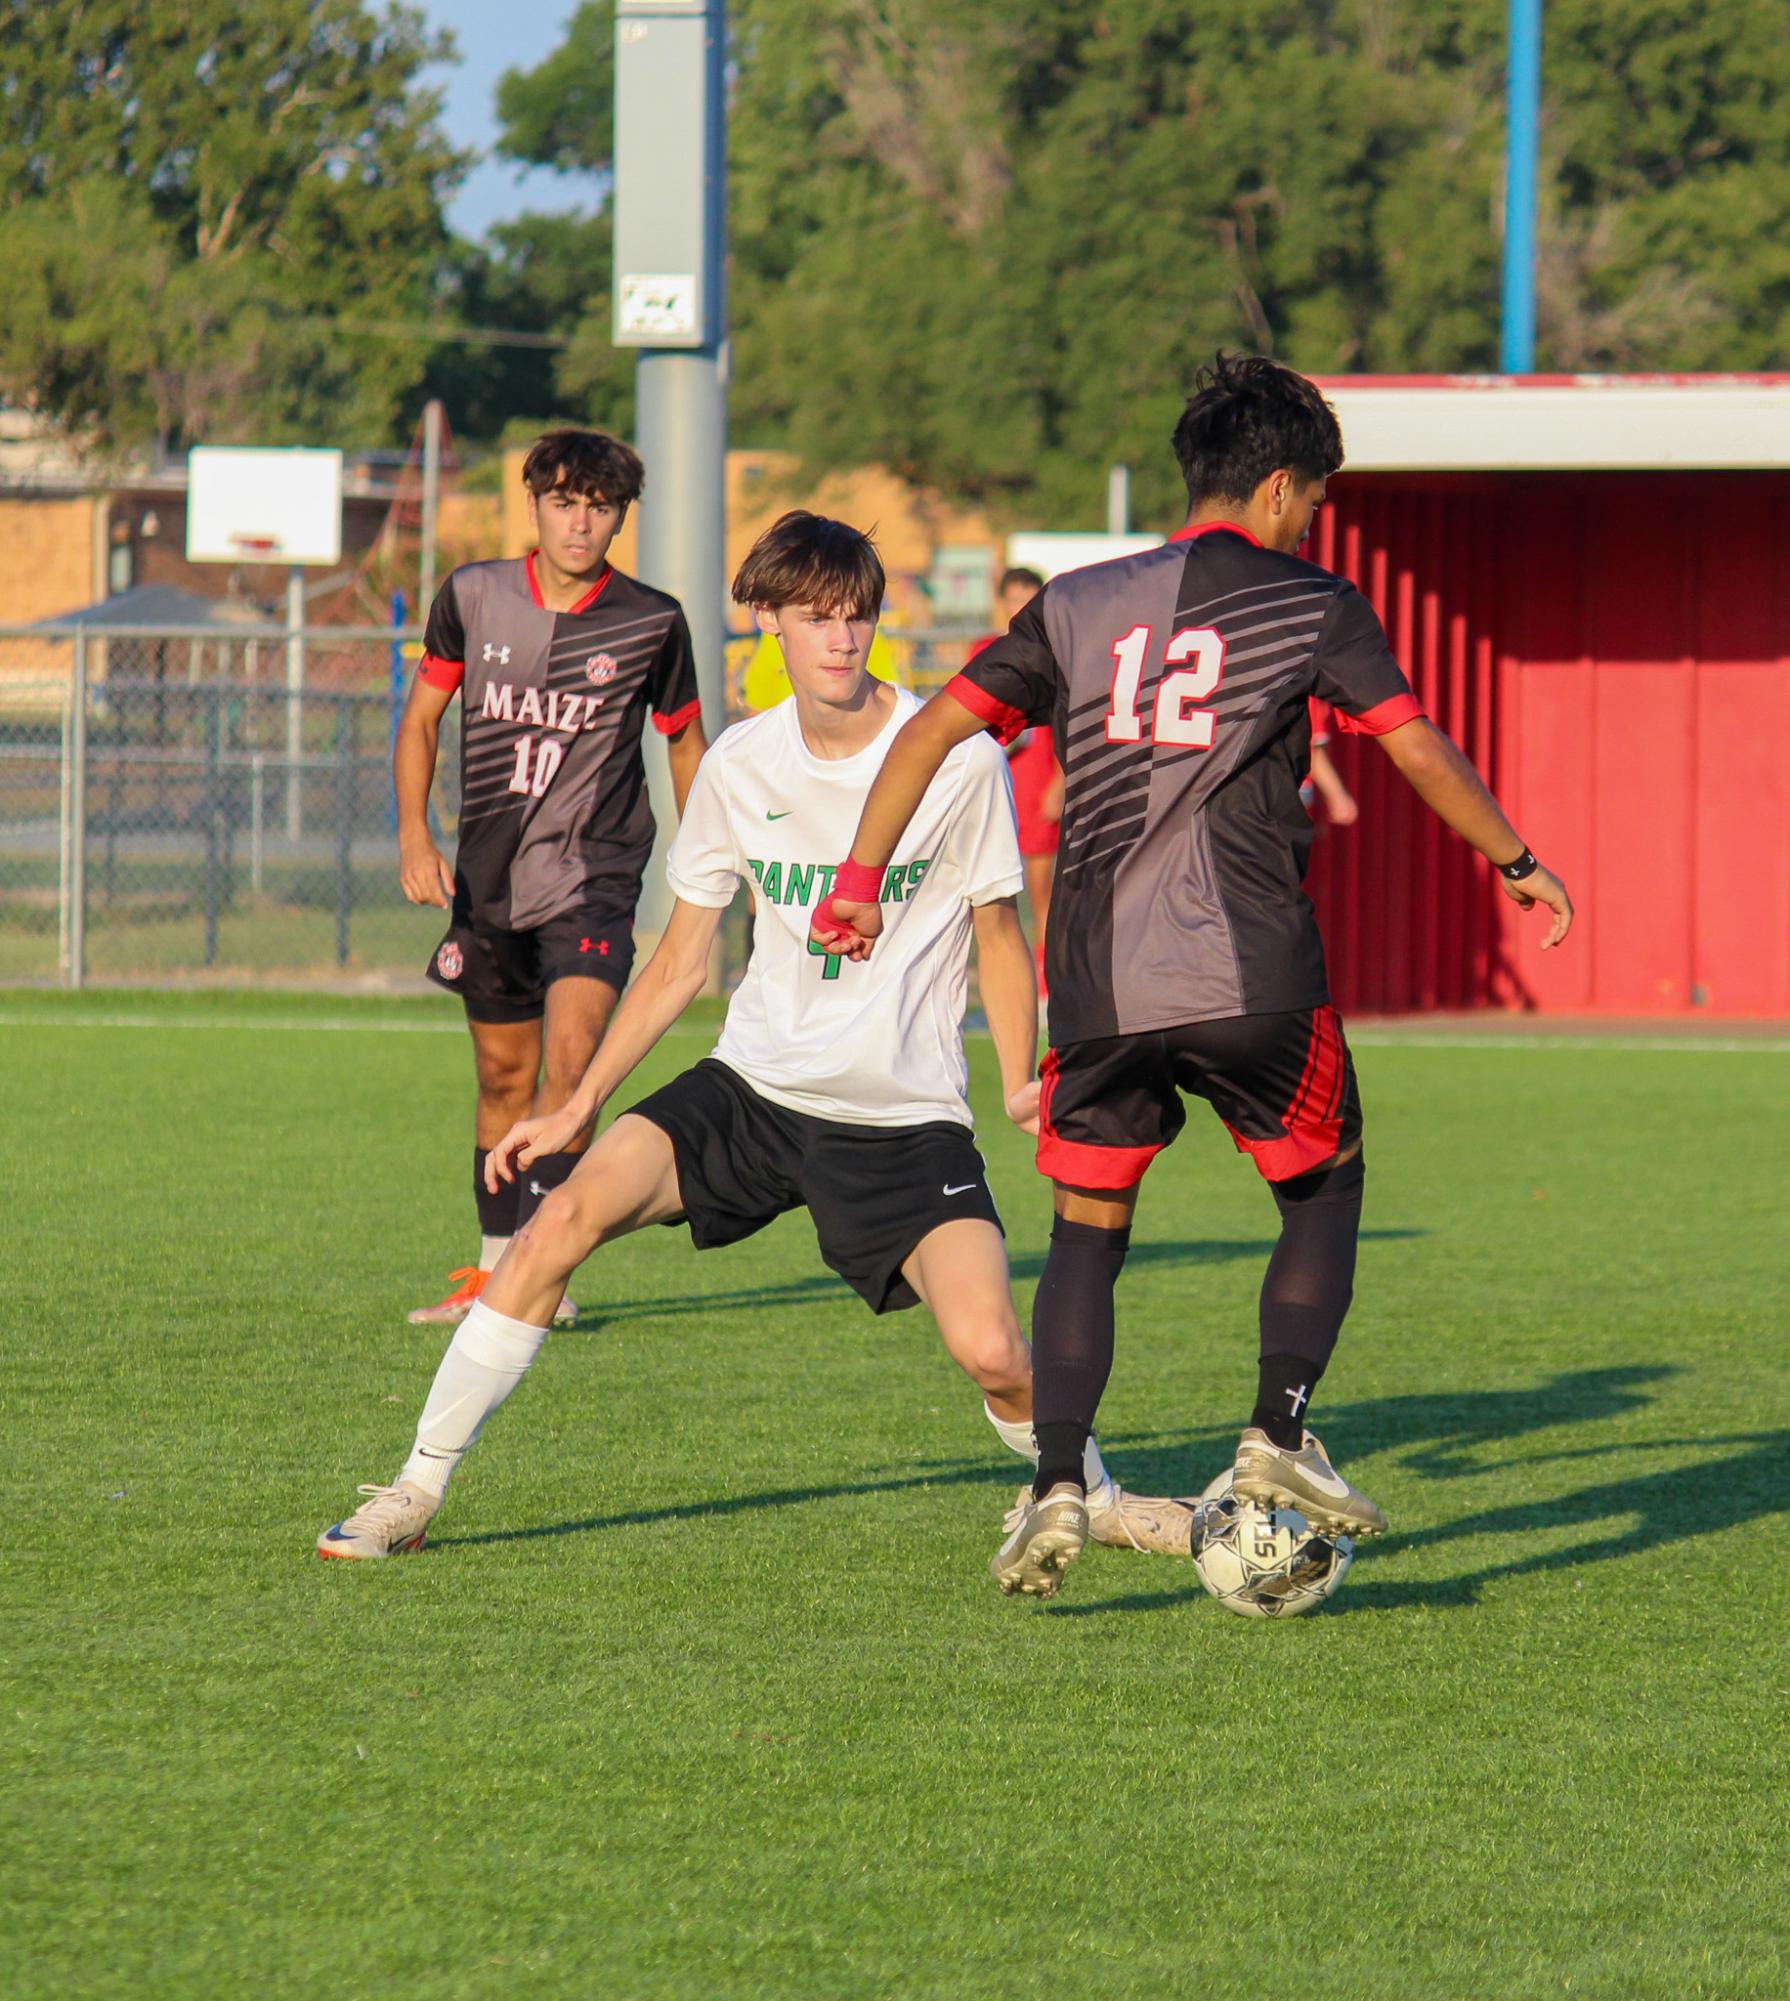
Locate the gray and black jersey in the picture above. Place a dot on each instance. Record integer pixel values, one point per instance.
(552, 787)
(1176, 683)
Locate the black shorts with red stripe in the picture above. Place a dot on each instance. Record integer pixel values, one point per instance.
(1283, 1083)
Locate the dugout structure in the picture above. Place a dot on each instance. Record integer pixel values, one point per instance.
(1586, 580)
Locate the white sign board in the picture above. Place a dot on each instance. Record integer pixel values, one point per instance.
(1051, 555)
(252, 505)
(659, 308)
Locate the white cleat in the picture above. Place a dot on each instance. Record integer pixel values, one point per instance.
(390, 1522)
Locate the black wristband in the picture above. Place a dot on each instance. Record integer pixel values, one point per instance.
(1524, 865)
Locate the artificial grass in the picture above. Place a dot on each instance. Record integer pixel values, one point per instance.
(702, 1688)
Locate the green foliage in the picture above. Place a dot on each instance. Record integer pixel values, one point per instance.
(988, 246)
(701, 1687)
(196, 193)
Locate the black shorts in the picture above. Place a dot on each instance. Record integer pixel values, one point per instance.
(874, 1191)
(1283, 1083)
(504, 975)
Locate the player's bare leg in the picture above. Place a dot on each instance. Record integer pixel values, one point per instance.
(506, 1057)
(625, 1181)
(577, 1018)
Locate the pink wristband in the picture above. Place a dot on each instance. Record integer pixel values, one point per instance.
(855, 883)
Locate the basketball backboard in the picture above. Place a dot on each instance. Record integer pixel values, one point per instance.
(247, 504)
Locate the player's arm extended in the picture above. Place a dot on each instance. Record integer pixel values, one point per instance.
(1010, 1000)
(847, 923)
(666, 985)
(1442, 778)
(423, 870)
(684, 751)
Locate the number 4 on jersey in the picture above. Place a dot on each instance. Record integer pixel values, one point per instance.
(830, 971)
(1174, 721)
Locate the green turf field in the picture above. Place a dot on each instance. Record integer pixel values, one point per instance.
(702, 1688)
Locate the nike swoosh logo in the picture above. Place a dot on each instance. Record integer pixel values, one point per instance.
(784, 815)
(1327, 1482)
(960, 1191)
(535, 1188)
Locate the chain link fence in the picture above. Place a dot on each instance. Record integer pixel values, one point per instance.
(201, 803)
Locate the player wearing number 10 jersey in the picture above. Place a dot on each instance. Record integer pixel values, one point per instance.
(1183, 955)
(559, 661)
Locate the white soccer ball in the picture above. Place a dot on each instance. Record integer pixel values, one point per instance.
(1266, 1563)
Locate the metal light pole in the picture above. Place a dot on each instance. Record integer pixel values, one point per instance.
(670, 304)
(1522, 120)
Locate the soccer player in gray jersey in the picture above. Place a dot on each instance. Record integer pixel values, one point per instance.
(559, 661)
(1183, 955)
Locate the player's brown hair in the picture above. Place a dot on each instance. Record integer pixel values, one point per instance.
(1248, 417)
(1019, 573)
(590, 465)
(806, 558)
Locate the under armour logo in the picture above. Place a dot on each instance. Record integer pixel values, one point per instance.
(1298, 1398)
(598, 945)
(501, 654)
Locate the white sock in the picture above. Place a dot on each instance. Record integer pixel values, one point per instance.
(490, 1250)
(488, 1356)
(1017, 1437)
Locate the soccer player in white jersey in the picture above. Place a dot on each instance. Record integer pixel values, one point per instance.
(834, 1087)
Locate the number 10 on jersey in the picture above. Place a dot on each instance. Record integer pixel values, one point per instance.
(545, 756)
(1176, 720)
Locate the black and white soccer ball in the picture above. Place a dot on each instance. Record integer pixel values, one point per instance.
(1266, 1563)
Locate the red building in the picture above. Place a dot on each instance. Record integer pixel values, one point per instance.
(1588, 581)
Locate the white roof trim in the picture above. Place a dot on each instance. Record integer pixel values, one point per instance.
(1590, 424)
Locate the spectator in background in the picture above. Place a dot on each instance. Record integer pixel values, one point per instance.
(1325, 781)
(1037, 777)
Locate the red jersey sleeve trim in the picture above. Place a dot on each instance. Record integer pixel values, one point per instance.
(441, 673)
(1001, 717)
(1391, 714)
(678, 719)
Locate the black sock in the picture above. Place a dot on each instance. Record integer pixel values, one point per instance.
(1072, 1344)
(1306, 1293)
(497, 1213)
(1283, 1389)
(539, 1179)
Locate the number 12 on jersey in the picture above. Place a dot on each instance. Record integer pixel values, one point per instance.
(1175, 721)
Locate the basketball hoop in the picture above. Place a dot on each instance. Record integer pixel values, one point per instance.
(257, 548)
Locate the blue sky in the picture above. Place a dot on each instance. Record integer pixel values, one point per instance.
(492, 37)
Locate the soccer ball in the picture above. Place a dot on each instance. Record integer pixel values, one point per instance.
(1266, 1563)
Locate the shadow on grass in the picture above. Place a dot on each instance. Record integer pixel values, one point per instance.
(800, 1291)
(1432, 1435)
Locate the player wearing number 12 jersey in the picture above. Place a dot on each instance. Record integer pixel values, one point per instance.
(559, 661)
(1183, 954)
(834, 1088)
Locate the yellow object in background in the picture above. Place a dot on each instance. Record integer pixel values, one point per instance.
(766, 679)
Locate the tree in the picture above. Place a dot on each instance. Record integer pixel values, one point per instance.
(989, 245)
(198, 196)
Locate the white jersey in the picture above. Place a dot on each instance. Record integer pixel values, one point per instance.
(880, 1042)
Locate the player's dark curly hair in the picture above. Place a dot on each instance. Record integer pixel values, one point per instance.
(1247, 417)
(808, 559)
(589, 465)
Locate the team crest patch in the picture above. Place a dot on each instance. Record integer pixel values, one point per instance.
(600, 667)
(448, 962)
